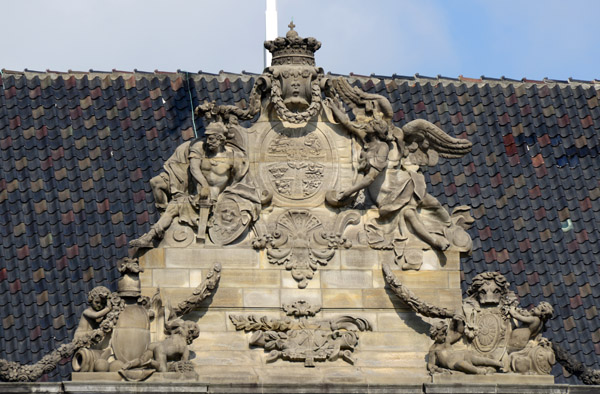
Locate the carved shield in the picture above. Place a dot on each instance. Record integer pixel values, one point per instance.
(491, 334)
(297, 165)
(131, 337)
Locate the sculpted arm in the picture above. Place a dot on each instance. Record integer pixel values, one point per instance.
(522, 318)
(364, 182)
(432, 360)
(341, 116)
(92, 314)
(196, 156)
(456, 332)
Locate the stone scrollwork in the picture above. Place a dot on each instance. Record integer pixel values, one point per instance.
(489, 334)
(304, 340)
(301, 242)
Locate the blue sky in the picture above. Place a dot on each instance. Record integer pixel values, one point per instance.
(516, 39)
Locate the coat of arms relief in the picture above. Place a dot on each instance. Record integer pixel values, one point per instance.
(311, 165)
(315, 148)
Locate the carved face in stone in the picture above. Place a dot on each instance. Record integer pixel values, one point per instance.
(295, 86)
(228, 212)
(191, 332)
(97, 297)
(216, 136)
(489, 293)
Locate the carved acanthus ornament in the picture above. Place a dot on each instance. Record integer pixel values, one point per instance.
(304, 340)
(301, 242)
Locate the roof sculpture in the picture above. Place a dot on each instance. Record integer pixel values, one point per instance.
(79, 150)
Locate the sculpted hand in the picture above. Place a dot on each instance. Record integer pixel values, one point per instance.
(204, 192)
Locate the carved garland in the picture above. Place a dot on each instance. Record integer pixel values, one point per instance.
(200, 293)
(411, 299)
(11, 371)
(572, 365)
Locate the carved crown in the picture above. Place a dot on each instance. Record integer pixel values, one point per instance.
(293, 49)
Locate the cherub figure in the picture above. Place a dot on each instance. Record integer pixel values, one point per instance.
(90, 321)
(94, 314)
(172, 349)
(532, 325)
(443, 356)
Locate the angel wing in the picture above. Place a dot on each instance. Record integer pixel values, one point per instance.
(362, 104)
(424, 142)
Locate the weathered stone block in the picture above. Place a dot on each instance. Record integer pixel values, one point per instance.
(359, 258)
(228, 358)
(411, 379)
(497, 378)
(171, 278)
(219, 375)
(146, 278)
(382, 298)
(260, 298)
(347, 279)
(220, 341)
(293, 375)
(208, 320)
(197, 277)
(313, 297)
(250, 278)
(414, 279)
(228, 257)
(377, 359)
(153, 258)
(225, 297)
(401, 321)
(395, 341)
(343, 375)
(342, 298)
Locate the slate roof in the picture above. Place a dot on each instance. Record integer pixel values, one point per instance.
(77, 152)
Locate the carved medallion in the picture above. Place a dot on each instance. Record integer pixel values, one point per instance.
(490, 332)
(297, 164)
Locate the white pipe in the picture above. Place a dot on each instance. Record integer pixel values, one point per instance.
(271, 27)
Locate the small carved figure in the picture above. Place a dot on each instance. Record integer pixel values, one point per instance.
(442, 355)
(172, 349)
(213, 166)
(95, 313)
(389, 164)
(486, 323)
(532, 324)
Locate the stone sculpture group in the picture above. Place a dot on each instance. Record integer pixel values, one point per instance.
(282, 185)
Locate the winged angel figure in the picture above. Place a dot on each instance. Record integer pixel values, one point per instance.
(388, 167)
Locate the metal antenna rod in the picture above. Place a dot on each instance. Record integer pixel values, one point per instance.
(271, 28)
